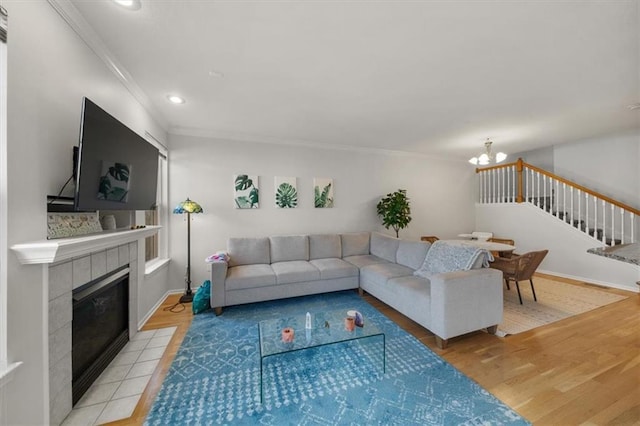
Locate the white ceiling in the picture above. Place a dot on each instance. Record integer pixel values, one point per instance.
(432, 77)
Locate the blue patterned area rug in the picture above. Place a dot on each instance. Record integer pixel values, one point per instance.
(215, 377)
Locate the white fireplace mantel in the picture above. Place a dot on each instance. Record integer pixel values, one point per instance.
(51, 251)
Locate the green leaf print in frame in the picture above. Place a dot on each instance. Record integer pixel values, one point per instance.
(246, 194)
(323, 193)
(286, 196)
(114, 182)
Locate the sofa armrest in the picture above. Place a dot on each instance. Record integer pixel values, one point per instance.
(218, 277)
(465, 301)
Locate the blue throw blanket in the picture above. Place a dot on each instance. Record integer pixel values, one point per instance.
(448, 256)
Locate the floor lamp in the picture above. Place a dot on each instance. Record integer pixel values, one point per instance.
(188, 207)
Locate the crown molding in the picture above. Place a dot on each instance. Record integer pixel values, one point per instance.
(76, 21)
(251, 138)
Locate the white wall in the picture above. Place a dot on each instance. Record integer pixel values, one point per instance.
(607, 165)
(49, 71)
(441, 194)
(533, 229)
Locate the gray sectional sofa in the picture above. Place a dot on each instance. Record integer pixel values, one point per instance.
(449, 304)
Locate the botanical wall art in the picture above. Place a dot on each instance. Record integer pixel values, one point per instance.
(323, 192)
(246, 193)
(114, 181)
(286, 189)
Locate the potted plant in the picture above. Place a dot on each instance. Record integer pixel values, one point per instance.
(395, 211)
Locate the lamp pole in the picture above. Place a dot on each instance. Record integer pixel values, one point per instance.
(187, 297)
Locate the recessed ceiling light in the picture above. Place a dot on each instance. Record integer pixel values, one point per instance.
(216, 73)
(129, 4)
(175, 99)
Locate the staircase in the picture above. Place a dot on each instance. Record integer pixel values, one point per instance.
(608, 221)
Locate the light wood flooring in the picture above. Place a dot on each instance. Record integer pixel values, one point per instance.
(581, 370)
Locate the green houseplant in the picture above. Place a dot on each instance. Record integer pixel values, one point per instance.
(394, 210)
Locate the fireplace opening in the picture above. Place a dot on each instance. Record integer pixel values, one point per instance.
(100, 327)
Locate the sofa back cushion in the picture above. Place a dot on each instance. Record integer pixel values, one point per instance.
(325, 246)
(248, 251)
(412, 253)
(355, 244)
(384, 246)
(289, 247)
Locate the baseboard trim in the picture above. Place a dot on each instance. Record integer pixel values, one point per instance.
(159, 303)
(591, 281)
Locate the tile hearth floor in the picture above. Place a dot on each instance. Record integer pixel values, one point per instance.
(115, 394)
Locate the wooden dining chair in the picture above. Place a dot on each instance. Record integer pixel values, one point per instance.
(430, 238)
(520, 268)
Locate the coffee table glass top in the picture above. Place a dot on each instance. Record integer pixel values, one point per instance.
(326, 328)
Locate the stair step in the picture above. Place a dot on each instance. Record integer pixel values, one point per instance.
(579, 224)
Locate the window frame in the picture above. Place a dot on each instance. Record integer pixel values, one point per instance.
(162, 199)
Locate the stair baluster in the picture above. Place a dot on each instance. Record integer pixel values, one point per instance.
(586, 208)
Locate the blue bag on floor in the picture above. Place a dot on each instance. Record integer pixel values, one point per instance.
(202, 298)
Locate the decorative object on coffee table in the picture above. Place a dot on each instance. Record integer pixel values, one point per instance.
(357, 316)
(288, 334)
(349, 323)
(188, 207)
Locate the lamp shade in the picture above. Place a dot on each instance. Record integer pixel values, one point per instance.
(188, 206)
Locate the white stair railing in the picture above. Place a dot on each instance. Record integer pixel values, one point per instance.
(604, 219)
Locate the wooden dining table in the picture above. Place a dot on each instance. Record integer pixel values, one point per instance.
(487, 245)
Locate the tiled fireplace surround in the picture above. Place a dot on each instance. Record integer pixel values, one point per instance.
(73, 262)
(64, 277)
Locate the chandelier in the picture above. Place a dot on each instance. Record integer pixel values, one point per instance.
(487, 157)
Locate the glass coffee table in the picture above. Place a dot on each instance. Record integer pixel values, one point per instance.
(327, 328)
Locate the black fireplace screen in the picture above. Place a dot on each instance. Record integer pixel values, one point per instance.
(100, 327)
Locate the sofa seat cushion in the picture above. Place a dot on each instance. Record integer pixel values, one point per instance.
(249, 276)
(334, 268)
(363, 260)
(408, 286)
(295, 271)
(382, 272)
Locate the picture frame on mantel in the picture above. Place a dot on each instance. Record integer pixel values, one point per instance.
(64, 225)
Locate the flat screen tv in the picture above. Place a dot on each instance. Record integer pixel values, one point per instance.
(117, 168)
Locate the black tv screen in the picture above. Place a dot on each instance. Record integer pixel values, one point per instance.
(117, 168)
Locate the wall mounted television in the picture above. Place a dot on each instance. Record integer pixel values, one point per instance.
(117, 168)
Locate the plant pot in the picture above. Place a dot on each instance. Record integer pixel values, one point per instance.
(287, 335)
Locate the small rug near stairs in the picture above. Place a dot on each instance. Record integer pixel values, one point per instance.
(556, 301)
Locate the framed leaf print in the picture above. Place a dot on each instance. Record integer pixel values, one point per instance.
(286, 192)
(246, 193)
(323, 193)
